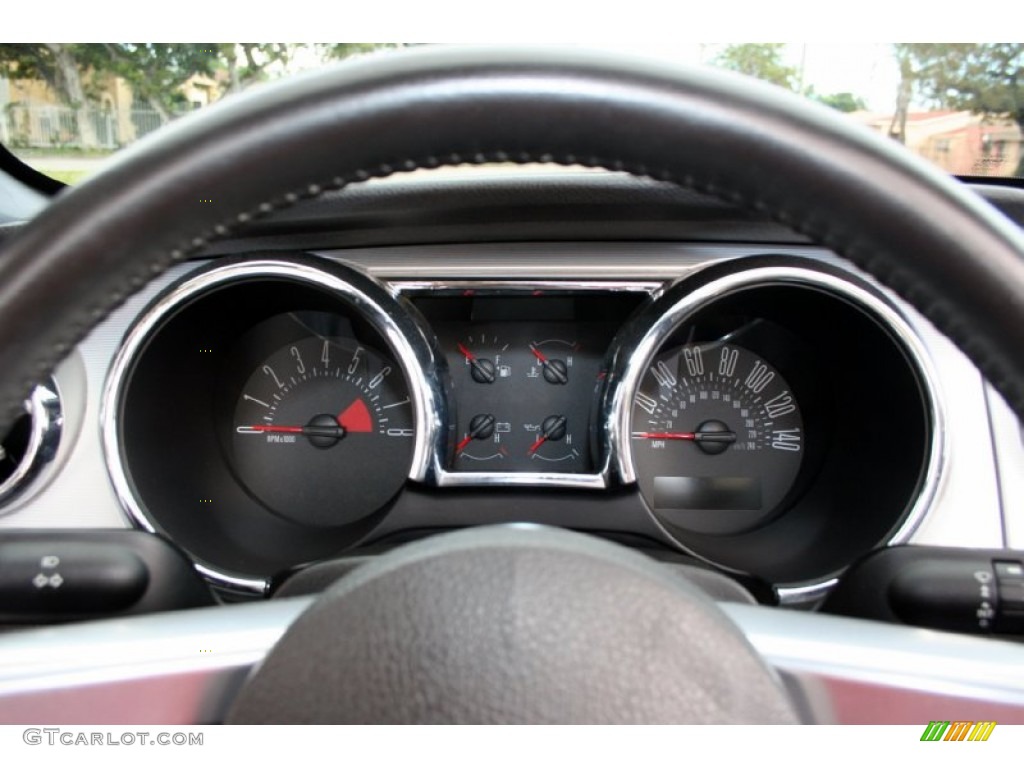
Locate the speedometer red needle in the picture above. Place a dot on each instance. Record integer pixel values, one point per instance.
(666, 435)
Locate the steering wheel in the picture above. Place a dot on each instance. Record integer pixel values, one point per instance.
(948, 254)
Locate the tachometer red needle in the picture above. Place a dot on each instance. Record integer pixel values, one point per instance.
(666, 435)
(270, 428)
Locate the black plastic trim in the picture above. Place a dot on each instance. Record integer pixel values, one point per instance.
(13, 166)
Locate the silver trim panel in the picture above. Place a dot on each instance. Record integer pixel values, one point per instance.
(1008, 449)
(154, 669)
(571, 286)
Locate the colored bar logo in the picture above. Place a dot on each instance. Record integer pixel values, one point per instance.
(958, 730)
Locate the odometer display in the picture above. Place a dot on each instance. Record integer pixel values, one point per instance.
(717, 436)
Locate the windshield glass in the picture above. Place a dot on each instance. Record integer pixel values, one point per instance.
(66, 107)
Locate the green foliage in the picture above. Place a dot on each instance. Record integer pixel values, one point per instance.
(56, 64)
(843, 101)
(248, 63)
(982, 77)
(986, 78)
(344, 50)
(156, 71)
(760, 60)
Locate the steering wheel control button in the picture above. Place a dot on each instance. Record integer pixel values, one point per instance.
(58, 576)
(1010, 583)
(959, 590)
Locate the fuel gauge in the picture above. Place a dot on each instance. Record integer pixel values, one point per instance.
(483, 358)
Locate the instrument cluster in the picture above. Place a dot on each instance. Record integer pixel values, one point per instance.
(772, 416)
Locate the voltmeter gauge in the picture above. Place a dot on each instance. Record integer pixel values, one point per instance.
(718, 438)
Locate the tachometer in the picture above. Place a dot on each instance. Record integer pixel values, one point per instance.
(717, 438)
(323, 431)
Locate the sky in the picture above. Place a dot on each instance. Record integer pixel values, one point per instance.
(867, 70)
(842, 52)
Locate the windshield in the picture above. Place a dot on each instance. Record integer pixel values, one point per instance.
(65, 108)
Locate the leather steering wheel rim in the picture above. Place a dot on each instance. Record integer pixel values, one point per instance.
(916, 230)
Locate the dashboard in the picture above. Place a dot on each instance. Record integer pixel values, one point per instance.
(731, 396)
(761, 409)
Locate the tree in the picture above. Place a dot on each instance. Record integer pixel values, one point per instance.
(60, 66)
(248, 63)
(905, 59)
(843, 101)
(986, 78)
(760, 60)
(156, 71)
(344, 50)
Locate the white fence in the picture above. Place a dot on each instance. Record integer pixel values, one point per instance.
(50, 126)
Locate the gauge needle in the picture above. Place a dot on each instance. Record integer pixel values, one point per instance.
(484, 373)
(481, 426)
(553, 371)
(556, 426)
(698, 437)
(312, 430)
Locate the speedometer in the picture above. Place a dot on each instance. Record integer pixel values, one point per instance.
(717, 436)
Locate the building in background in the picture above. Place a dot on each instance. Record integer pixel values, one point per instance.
(961, 143)
(33, 116)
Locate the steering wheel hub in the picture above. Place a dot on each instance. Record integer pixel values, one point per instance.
(501, 625)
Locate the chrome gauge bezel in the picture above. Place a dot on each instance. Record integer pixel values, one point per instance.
(43, 407)
(593, 481)
(642, 340)
(408, 341)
